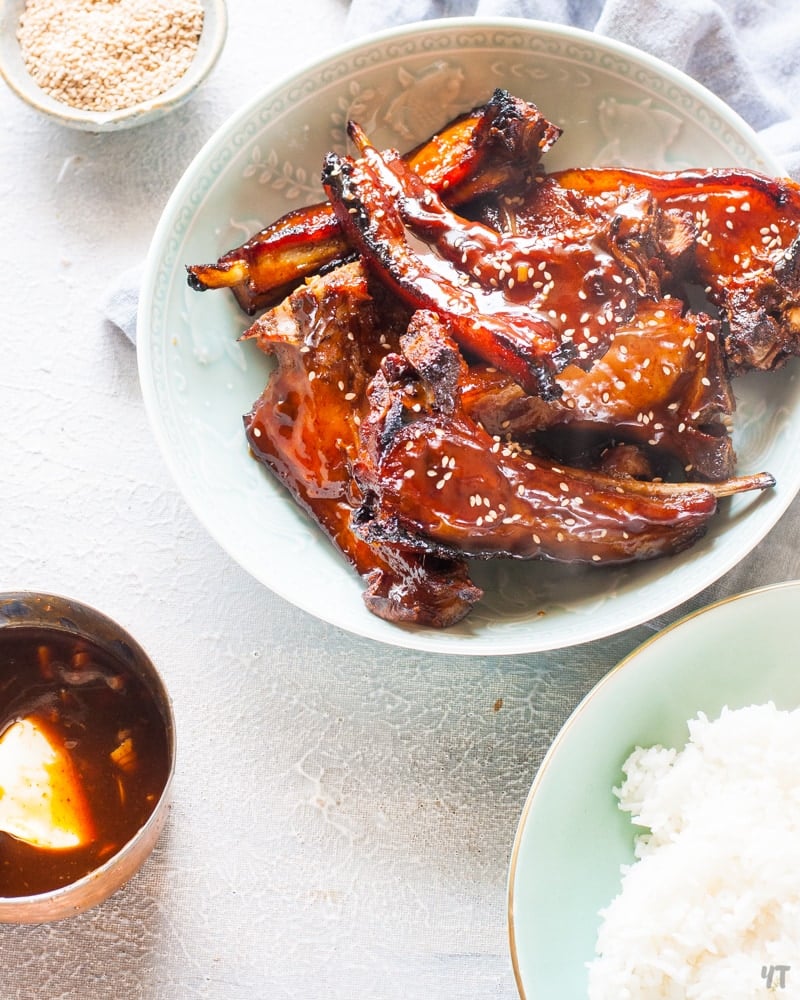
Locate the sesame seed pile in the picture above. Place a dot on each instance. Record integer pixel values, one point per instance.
(108, 55)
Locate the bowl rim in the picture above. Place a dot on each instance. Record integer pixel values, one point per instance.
(478, 23)
(19, 81)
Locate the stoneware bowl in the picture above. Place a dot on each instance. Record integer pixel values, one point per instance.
(617, 106)
(12, 69)
(63, 621)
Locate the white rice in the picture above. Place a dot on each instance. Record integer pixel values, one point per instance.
(710, 910)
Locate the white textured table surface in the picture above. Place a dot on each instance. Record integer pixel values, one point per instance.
(343, 813)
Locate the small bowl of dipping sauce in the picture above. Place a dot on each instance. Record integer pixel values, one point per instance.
(101, 65)
(87, 755)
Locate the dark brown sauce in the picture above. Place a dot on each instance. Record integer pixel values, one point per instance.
(92, 706)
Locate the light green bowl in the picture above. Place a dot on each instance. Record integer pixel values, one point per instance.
(572, 837)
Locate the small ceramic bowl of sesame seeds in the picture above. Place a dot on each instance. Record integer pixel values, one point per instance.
(101, 65)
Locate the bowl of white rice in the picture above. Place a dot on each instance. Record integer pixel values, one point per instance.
(658, 853)
(102, 65)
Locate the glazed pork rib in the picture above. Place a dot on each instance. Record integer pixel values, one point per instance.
(365, 196)
(434, 478)
(745, 249)
(493, 146)
(662, 386)
(527, 304)
(328, 339)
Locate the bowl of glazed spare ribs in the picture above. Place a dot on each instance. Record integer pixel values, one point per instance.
(478, 336)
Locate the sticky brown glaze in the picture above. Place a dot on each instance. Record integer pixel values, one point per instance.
(582, 271)
(491, 147)
(266, 268)
(662, 385)
(503, 139)
(369, 197)
(327, 341)
(525, 302)
(434, 477)
(746, 251)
